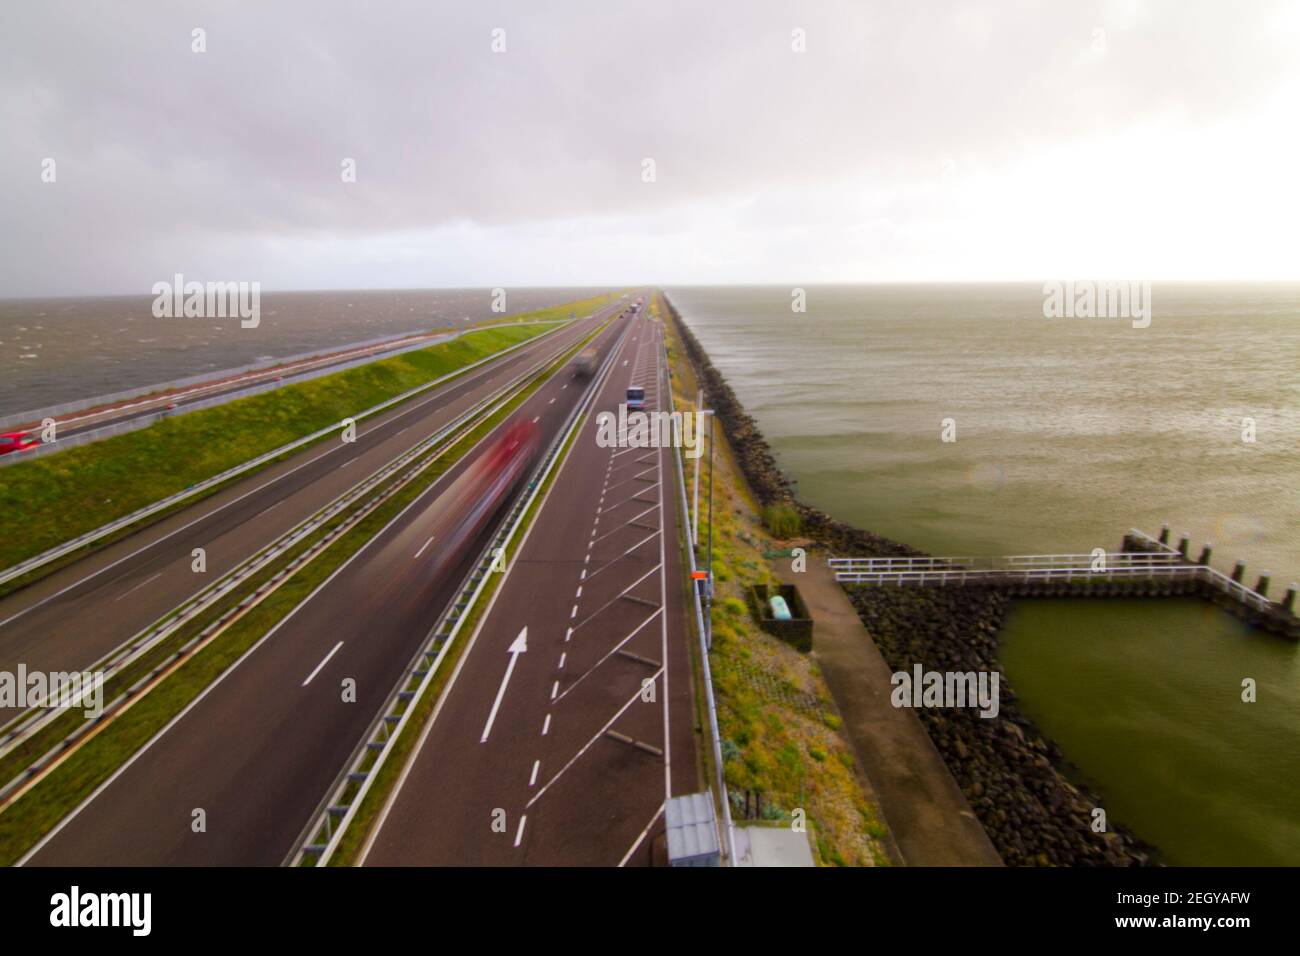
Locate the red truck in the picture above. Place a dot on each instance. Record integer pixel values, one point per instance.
(16, 441)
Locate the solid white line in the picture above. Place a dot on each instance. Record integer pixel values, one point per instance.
(632, 849)
(423, 546)
(519, 834)
(139, 586)
(600, 733)
(322, 663)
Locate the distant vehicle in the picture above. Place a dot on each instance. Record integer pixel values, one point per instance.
(464, 510)
(588, 359)
(16, 441)
(635, 399)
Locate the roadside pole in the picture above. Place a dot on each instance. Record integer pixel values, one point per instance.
(695, 495)
(708, 584)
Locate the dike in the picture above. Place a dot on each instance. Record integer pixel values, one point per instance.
(1013, 777)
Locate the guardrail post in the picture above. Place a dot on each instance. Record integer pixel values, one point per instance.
(1262, 586)
(1205, 554)
(1164, 534)
(1184, 542)
(1288, 602)
(1239, 571)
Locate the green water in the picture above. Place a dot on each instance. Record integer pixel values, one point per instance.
(1070, 432)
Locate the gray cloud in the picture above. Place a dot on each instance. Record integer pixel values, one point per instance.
(174, 161)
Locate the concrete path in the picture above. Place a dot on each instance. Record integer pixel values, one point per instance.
(931, 822)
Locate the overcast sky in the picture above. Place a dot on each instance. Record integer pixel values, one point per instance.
(908, 141)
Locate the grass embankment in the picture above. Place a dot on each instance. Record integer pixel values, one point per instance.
(38, 810)
(83, 488)
(778, 722)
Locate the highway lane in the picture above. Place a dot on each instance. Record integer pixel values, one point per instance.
(259, 750)
(72, 617)
(570, 756)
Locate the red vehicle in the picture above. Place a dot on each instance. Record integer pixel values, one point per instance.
(16, 441)
(465, 508)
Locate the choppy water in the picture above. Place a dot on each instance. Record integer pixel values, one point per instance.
(1069, 432)
(60, 350)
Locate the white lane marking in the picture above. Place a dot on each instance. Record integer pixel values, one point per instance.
(563, 655)
(632, 849)
(584, 575)
(597, 736)
(348, 462)
(568, 634)
(537, 419)
(138, 586)
(272, 508)
(519, 834)
(551, 402)
(423, 546)
(579, 594)
(555, 689)
(519, 646)
(546, 725)
(573, 613)
(323, 662)
(532, 781)
(221, 678)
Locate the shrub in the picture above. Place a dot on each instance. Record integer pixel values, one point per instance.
(782, 520)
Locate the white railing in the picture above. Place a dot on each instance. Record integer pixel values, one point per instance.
(1166, 563)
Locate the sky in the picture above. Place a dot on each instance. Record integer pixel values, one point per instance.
(511, 143)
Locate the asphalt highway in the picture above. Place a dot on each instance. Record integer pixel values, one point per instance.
(71, 618)
(260, 748)
(561, 753)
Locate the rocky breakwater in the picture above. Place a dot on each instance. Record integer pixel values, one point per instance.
(1012, 777)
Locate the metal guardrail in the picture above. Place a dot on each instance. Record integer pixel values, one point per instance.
(342, 803)
(26, 725)
(706, 672)
(68, 547)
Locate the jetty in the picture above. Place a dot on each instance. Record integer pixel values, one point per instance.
(1145, 566)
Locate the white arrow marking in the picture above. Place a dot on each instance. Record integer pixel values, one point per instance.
(518, 647)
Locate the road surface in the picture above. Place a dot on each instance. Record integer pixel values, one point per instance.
(559, 754)
(260, 748)
(71, 618)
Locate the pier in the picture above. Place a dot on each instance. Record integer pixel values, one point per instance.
(1145, 566)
